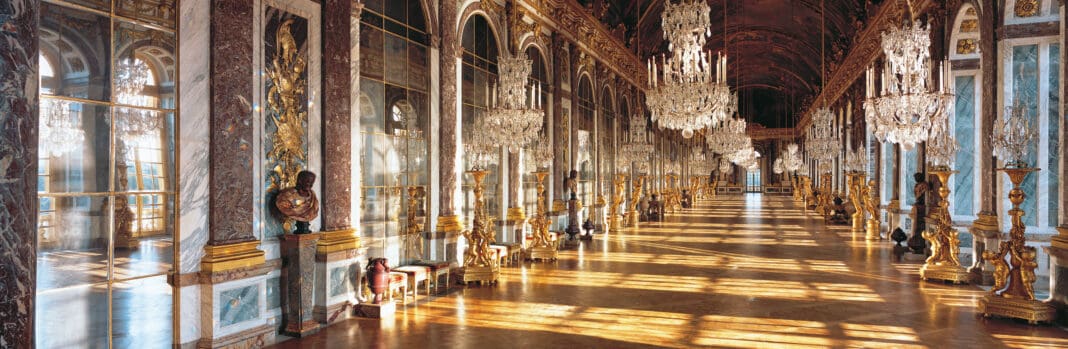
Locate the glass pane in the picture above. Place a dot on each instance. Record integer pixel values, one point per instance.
(71, 242)
(144, 66)
(415, 15)
(371, 52)
(372, 106)
(144, 243)
(965, 133)
(76, 43)
(370, 162)
(396, 60)
(141, 313)
(75, 140)
(418, 74)
(398, 110)
(144, 160)
(72, 317)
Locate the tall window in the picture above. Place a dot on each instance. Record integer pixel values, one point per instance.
(394, 115)
(479, 71)
(106, 176)
(539, 76)
(584, 162)
(604, 144)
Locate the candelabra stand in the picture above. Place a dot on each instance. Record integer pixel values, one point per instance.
(857, 193)
(479, 263)
(615, 221)
(635, 198)
(542, 248)
(1013, 295)
(795, 183)
(944, 263)
(824, 207)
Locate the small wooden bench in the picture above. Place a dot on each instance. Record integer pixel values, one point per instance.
(437, 269)
(416, 274)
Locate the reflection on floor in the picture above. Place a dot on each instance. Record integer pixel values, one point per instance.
(73, 298)
(748, 272)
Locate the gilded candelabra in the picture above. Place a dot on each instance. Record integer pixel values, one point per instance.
(809, 194)
(871, 205)
(1013, 294)
(944, 263)
(542, 246)
(413, 234)
(635, 198)
(824, 198)
(479, 263)
(615, 221)
(858, 192)
(672, 200)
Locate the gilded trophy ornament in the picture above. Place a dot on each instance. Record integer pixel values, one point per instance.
(284, 98)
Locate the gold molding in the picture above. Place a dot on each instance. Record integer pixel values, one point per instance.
(337, 241)
(450, 224)
(516, 214)
(1061, 239)
(219, 258)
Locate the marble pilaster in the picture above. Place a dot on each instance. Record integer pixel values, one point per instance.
(231, 170)
(337, 120)
(985, 229)
(448, 220)
(560, 119)
(18, 171)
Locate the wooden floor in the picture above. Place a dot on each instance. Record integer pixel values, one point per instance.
(745, 272)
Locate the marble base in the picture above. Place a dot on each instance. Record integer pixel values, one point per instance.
(302, 329)
(953, 273)
(252, 338)
(484, 275)
(1058, 288)
(386, 309)
(1017, 308)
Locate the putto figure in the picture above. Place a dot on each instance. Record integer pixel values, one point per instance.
(299, 203)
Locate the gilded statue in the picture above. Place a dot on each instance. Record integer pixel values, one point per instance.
(284, 98)
(299, 203)
(871, 201)
(1001, 267)
(480, 236)
(413, 232)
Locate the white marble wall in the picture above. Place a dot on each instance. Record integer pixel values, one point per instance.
(193, 162)
(236, 306)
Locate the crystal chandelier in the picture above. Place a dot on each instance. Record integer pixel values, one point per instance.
(746, 156)
(637, 148)
(59, 133)
(515, 116)
(1012, 136)
(725, 166)
(728, 138)
(907, 106)
(130, 78)
(683, 93)
(789, 161)
(822, 136)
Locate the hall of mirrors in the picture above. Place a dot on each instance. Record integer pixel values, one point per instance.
(540, 173)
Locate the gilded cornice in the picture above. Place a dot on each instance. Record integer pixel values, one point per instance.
(867, 50)
(580, 27)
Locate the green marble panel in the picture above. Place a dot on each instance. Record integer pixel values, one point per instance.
(1025, 90)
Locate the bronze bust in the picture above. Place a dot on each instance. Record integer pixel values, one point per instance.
(299, 203)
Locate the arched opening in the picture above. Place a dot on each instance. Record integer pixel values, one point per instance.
(584, 142)
(479, 72)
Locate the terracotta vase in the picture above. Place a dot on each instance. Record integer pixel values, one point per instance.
(378, 277)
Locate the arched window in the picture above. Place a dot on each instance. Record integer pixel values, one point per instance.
(584, 160)
(480, 53)
(394, 117)
(605, 135)
(539, 76)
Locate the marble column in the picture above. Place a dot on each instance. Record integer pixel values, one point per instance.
(338, 253)
(986, 229)
(516, 214)
(18, 171)
(449, 221)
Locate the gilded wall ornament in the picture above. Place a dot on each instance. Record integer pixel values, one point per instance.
(967, 46)
(1026, 8)
(285, 98)
(969, 26)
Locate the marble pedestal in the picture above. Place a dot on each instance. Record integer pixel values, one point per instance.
(386, 309)
(337, 274)
(298, 279)
(985, 235)
(1058, 281)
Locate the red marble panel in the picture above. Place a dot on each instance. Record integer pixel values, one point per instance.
(449, 52)
(18, 171)
(337, 133)
(231, 173)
